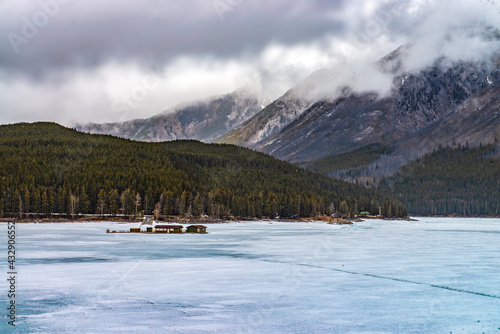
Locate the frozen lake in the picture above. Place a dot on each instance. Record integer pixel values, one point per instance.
(436, 275)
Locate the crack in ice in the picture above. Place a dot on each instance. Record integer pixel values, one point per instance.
(437, 286)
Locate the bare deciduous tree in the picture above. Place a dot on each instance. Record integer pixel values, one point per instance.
(73, 204)
(137, 202)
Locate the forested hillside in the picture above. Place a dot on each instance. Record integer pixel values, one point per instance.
(462, 181)
(46, 168)
(349, 160)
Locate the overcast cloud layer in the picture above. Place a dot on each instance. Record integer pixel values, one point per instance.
(100, 61)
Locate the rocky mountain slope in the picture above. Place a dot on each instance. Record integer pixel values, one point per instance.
(474, 123)
(278, 114)
(354, 120)
(202, 120)
(268, 121)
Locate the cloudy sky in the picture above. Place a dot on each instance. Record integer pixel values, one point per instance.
(109, 60)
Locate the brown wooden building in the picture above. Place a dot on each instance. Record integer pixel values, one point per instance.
(168, 228)
(196, 229)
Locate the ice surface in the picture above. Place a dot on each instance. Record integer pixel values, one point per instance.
(437, 275)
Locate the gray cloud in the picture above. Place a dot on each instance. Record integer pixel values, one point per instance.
(448, 31)
(86, 33)
(92, 60)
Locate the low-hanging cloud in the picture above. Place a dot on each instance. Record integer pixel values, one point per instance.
(422, 31)
(113, 61)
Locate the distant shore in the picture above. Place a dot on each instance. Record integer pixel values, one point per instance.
(196, 220)
(86, 219)
(208, 220)
(212, 220)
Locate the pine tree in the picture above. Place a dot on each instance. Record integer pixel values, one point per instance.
(113, 201)
(197, 205)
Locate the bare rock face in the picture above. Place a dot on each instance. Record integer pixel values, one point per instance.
(203, 120)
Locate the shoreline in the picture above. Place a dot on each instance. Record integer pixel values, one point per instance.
(210, 220)
(207, 220)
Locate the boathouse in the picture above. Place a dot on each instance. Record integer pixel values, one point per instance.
(196, 229)
(168, 228)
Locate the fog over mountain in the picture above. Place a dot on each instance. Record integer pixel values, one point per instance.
(76, 61)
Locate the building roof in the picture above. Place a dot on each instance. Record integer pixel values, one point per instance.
(199, 226)
(169, 226)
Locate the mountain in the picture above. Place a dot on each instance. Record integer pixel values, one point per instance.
(330, 127)
(354, 120)
(473, 123)
(427, 142)
(278, 114)
(417, 115)
(268, 121)
(202, 120)
(46, 168)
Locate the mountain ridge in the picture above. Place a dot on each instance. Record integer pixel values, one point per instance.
(203, 120)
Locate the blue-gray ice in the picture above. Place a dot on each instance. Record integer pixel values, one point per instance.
(436, 275)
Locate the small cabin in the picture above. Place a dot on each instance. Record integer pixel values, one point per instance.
(135, 230)
(196, 229)
(168, 228)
